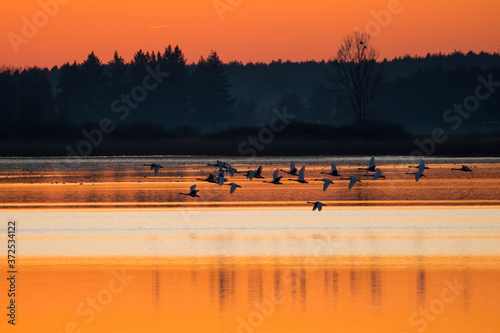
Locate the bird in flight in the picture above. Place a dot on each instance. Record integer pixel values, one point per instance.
(353, 182)
(193, 192)
(155, 166)
(326, 183)
(293, 170)
(233, 187)
(371, 165)
(317, 205)
(210, 179)
(420, 165)
(250, 174)
(464, 168)
(378, 174)
(301, 176)
(276, 179)
(420, 173)
(258, 172)
(334, 171)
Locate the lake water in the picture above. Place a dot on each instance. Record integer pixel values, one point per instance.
(105, 246)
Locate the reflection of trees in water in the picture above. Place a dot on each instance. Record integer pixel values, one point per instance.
(375, 274)
(227, 284)
(303, 286)
(376, 287)
(331, 281)
(294, 284)
(335, 285)
(156, 286)
(421, 287)
(223, 286)
(277, 290)
(255, 285)
(354, 280)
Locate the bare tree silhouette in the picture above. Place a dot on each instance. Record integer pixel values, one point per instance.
(357, 74)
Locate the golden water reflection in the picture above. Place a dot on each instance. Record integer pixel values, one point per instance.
(261, 294)
(112, 183)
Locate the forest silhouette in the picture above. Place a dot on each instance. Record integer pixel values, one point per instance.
(209, 106)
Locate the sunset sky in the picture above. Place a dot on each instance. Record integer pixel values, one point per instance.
(254, 30)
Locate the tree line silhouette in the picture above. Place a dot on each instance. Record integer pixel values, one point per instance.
(209, 96)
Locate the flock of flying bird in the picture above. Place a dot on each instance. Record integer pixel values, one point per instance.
(225, 169)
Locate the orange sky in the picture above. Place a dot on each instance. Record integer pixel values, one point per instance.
(254, 30)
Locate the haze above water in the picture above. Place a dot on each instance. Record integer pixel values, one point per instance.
(390, 255)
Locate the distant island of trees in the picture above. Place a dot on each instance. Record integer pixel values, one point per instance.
(159, 103)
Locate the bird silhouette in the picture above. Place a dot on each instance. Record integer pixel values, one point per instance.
(421, 164)
(301, 176)
(193, 192)
(250, 174)
(231, 171)
(258, 172)
(378, 174)
(353, 181)
(293, 170)
(420, 173)
(155, 166)
(464, 168)
(317, 205)
(276, 179)
(371, 165)
(326, 183)
(334, 171)
(221, 180)
(210, 179)
(233, 187)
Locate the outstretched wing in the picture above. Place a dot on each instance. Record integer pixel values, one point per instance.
(421, 168)
(421, 164)
(372, 162)
(419, 174)
(354, 180)
(275, 174)
(302, 172)
(326, 184)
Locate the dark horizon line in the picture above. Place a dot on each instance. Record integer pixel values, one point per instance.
(4, 67)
